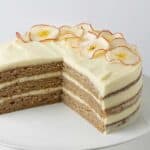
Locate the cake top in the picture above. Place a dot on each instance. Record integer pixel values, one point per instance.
(104, 57)
(86, 41)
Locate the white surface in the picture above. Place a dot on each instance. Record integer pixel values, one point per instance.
(129, 17)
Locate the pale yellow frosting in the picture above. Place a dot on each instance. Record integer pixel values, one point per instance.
(15, 54)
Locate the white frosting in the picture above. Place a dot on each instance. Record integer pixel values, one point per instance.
(122, 96)
(113, 100)
(105, 76)
(32, 78)
(111, 118)
(16, 54)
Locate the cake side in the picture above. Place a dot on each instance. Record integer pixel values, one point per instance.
(29, 76)
(104, 75)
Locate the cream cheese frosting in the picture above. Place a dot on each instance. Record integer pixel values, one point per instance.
(108, 68)
(14, 54)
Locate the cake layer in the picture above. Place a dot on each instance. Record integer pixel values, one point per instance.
(79, 77)
(111, 118)
(31, 78)
(108, 102)
(26, 86)
(96, 104)
(26, 71)
(29, 100)
(83, 110)
(86, 83)
(86, 112)
(123, 123)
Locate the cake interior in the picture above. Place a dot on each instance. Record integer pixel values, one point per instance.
(30, 86)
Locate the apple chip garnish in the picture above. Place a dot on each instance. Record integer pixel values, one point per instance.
(89, 36)
(85, 26)
(122, 55)
(89, 47)
(118, 35)
(43, 32)
(110, 36)
(98, 53)
(106, 34)
(118, 42)
(23, 38)
(70, 31)
(95, 44)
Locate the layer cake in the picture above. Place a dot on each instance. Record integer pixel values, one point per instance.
(96, 73)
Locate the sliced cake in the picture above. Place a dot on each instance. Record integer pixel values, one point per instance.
(95, 72)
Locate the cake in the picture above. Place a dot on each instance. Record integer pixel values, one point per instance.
(96, 73)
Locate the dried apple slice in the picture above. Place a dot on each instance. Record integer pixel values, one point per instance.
(103, 42)
(110, 36)
(96, 32)
(43, 32)
(106, 34)
(118, 35)
(22, 38)
(74, 31)
(123, 55)
(89, 36)
(118, 42)
(66, 36)
(133, 48)
(85, 26)
(93, 44)
(98, 53)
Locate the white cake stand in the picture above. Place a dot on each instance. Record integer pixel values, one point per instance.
(58, 127)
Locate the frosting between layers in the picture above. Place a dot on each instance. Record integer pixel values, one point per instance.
(31, 78)
(111, 118)
(115, 99)
(35, 92)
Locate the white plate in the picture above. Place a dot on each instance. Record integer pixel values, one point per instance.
(56, 126)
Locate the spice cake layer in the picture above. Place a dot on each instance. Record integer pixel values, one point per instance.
(99, 122)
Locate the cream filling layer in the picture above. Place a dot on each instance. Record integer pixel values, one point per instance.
(111, 118)
(35, 92)
(34, 77)
(114, 99)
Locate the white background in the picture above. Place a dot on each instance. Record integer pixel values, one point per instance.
(132, 17)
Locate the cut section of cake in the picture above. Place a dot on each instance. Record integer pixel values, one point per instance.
(95, 72)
